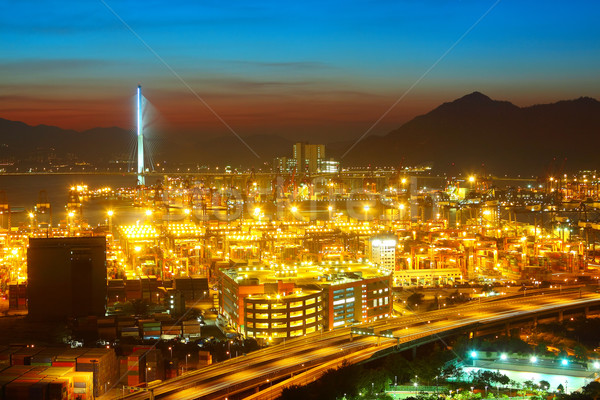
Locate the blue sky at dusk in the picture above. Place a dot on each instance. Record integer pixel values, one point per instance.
(302, 67)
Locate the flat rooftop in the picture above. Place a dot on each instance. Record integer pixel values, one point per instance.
(328, 273)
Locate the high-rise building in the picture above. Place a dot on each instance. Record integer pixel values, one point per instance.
(383, 251)
(66, 277)
(308, 157)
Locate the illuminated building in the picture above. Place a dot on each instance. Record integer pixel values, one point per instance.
(308, 157)
(286, 316)
(286, 301)
(329, 166)
(382, 251)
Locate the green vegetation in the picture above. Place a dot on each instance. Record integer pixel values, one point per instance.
(438, 369)
(504, 344)
(364, 382)
(415, 299)
(575, 336)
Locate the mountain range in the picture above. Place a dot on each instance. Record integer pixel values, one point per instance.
(473, 133)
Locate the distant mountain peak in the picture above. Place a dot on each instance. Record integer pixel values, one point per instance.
(475, 96)
(474, 102)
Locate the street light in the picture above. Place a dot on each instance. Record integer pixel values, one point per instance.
(472, 180)
(71, 214)
(186, 361)
(171, 350)
(257, 213)
(366, 210)
(110, 214)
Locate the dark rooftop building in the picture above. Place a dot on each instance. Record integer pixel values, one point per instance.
(66, 277)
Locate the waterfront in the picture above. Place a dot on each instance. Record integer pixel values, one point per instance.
(22, 191)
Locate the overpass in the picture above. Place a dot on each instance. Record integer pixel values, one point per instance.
(302, 360)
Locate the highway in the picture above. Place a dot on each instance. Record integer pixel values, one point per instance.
(306, 357)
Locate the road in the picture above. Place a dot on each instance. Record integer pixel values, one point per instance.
(306, 357)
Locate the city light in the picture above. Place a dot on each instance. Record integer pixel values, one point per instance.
(376, 227)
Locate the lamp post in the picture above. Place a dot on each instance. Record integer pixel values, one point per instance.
(366, 210)
(110, 214)
(70, 215)
(257, 213)
(472, 180)
(171, 350)
(186, 362)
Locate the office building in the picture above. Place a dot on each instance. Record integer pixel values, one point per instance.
(308, 157)
(276, 301)
(382, 251)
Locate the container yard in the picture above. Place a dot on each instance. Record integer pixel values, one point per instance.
(56, 374)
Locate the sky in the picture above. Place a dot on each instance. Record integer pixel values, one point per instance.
(311, 69)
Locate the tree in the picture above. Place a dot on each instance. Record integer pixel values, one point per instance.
(563, 354)
(581, 352)
(545, 385)
(592, 389)
(451, 371)
(528, 384)
(541, 347)
(487, 288)
(560, 388)
(415, 299)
